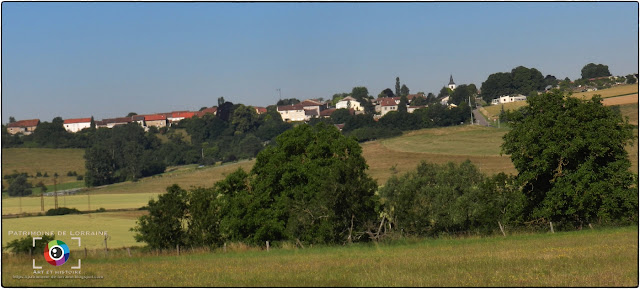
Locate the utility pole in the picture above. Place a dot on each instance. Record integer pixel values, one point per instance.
(279, 93)
(55, 191)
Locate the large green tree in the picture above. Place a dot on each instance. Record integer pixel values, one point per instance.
(571, 159)
(165, 226)
(311, 186)
(593, 70)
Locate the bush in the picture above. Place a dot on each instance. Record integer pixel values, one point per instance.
(25, 245)
(79, 178)
(19, 187)
(62, 211)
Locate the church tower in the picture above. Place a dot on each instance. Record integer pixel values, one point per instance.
(452, 85)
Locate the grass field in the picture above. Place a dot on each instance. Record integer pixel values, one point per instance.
(33, 160)
(588, 258)
(80, 202)
(117, 225)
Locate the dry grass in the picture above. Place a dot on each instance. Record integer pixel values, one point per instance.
(432, 145)
(620, 100)
(185, 176)
(609, 92)
(590, 258)
(492, 112)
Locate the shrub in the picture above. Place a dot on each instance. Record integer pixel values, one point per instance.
(80, 178)
(25, 245)
(62, 211)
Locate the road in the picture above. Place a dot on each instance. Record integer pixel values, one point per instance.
(479, 118)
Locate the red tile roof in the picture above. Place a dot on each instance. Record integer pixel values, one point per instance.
(24, 123)
(298, 106)
(388, 101)
(327, 112)
(310, 102)
(210, 110)
(260, 110)
(77, 120)
(154, 117)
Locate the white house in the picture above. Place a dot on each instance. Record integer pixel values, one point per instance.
(76, 124)
(302, 111)
(387, 105)
(507, 99)
(349, 102)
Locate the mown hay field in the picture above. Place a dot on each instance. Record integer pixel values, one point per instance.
(588, 258)
(609, 92)
(116, 224)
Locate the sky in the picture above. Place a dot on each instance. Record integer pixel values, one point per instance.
(82, 59)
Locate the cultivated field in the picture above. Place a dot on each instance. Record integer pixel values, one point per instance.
(117, 225)
(33, 160)
(588, 258)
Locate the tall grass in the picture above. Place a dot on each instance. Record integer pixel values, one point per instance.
(588, 258)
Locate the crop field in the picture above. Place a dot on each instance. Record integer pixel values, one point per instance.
(620, 100)
(33, 160)
(588, 258)
(116, 224)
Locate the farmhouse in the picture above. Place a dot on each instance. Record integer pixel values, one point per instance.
(177, 116)
(77, 124)
(111, 122)
(260, 110)
(25, 127)
(507, 99)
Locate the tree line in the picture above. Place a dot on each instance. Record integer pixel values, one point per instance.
(311, 187)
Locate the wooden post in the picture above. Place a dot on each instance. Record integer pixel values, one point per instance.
(178, 249)
(267, 246)
(551, 224)
(501, 229)
(224, 247)
(129, 251)
(85, 252)
(106, 249)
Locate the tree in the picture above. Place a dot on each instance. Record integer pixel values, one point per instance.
(131, 114)
(288, 101)
(631, 79)
(402, 106)
(387, 92)
(311, 186)
(92, 125)
(592, 70)
(337, 97)
(19, 186)
(525, 80)
(165, 225)
(361, 94)
(397, 85)
(12, 119)
(571, 159)
(404, 90)
(244, 119)
(444, 92)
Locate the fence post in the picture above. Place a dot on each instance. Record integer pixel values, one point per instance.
(551, 224)
(85, 252)
(224, 247)
(590, 227)
(129, 251)
(106, 249)
(267, 246)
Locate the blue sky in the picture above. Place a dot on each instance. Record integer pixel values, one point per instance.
(107, 59)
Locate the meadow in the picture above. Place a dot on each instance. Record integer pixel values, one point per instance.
(82, 202)
(33, 160)
(587, 258)
(116, 224)
(619, 90)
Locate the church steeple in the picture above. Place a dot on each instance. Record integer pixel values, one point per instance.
(452, 85)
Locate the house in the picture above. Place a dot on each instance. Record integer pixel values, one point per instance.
(507, 99)
(139, 119)
(77, 124)
(177, 116)
(412, 108)
(292, 112)
(387, 105)
(111, 122)
(349, 102)
(260, 110)
(25, 127)
(445, 100)
(101, 123)
(302, 111)
(157, 120)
